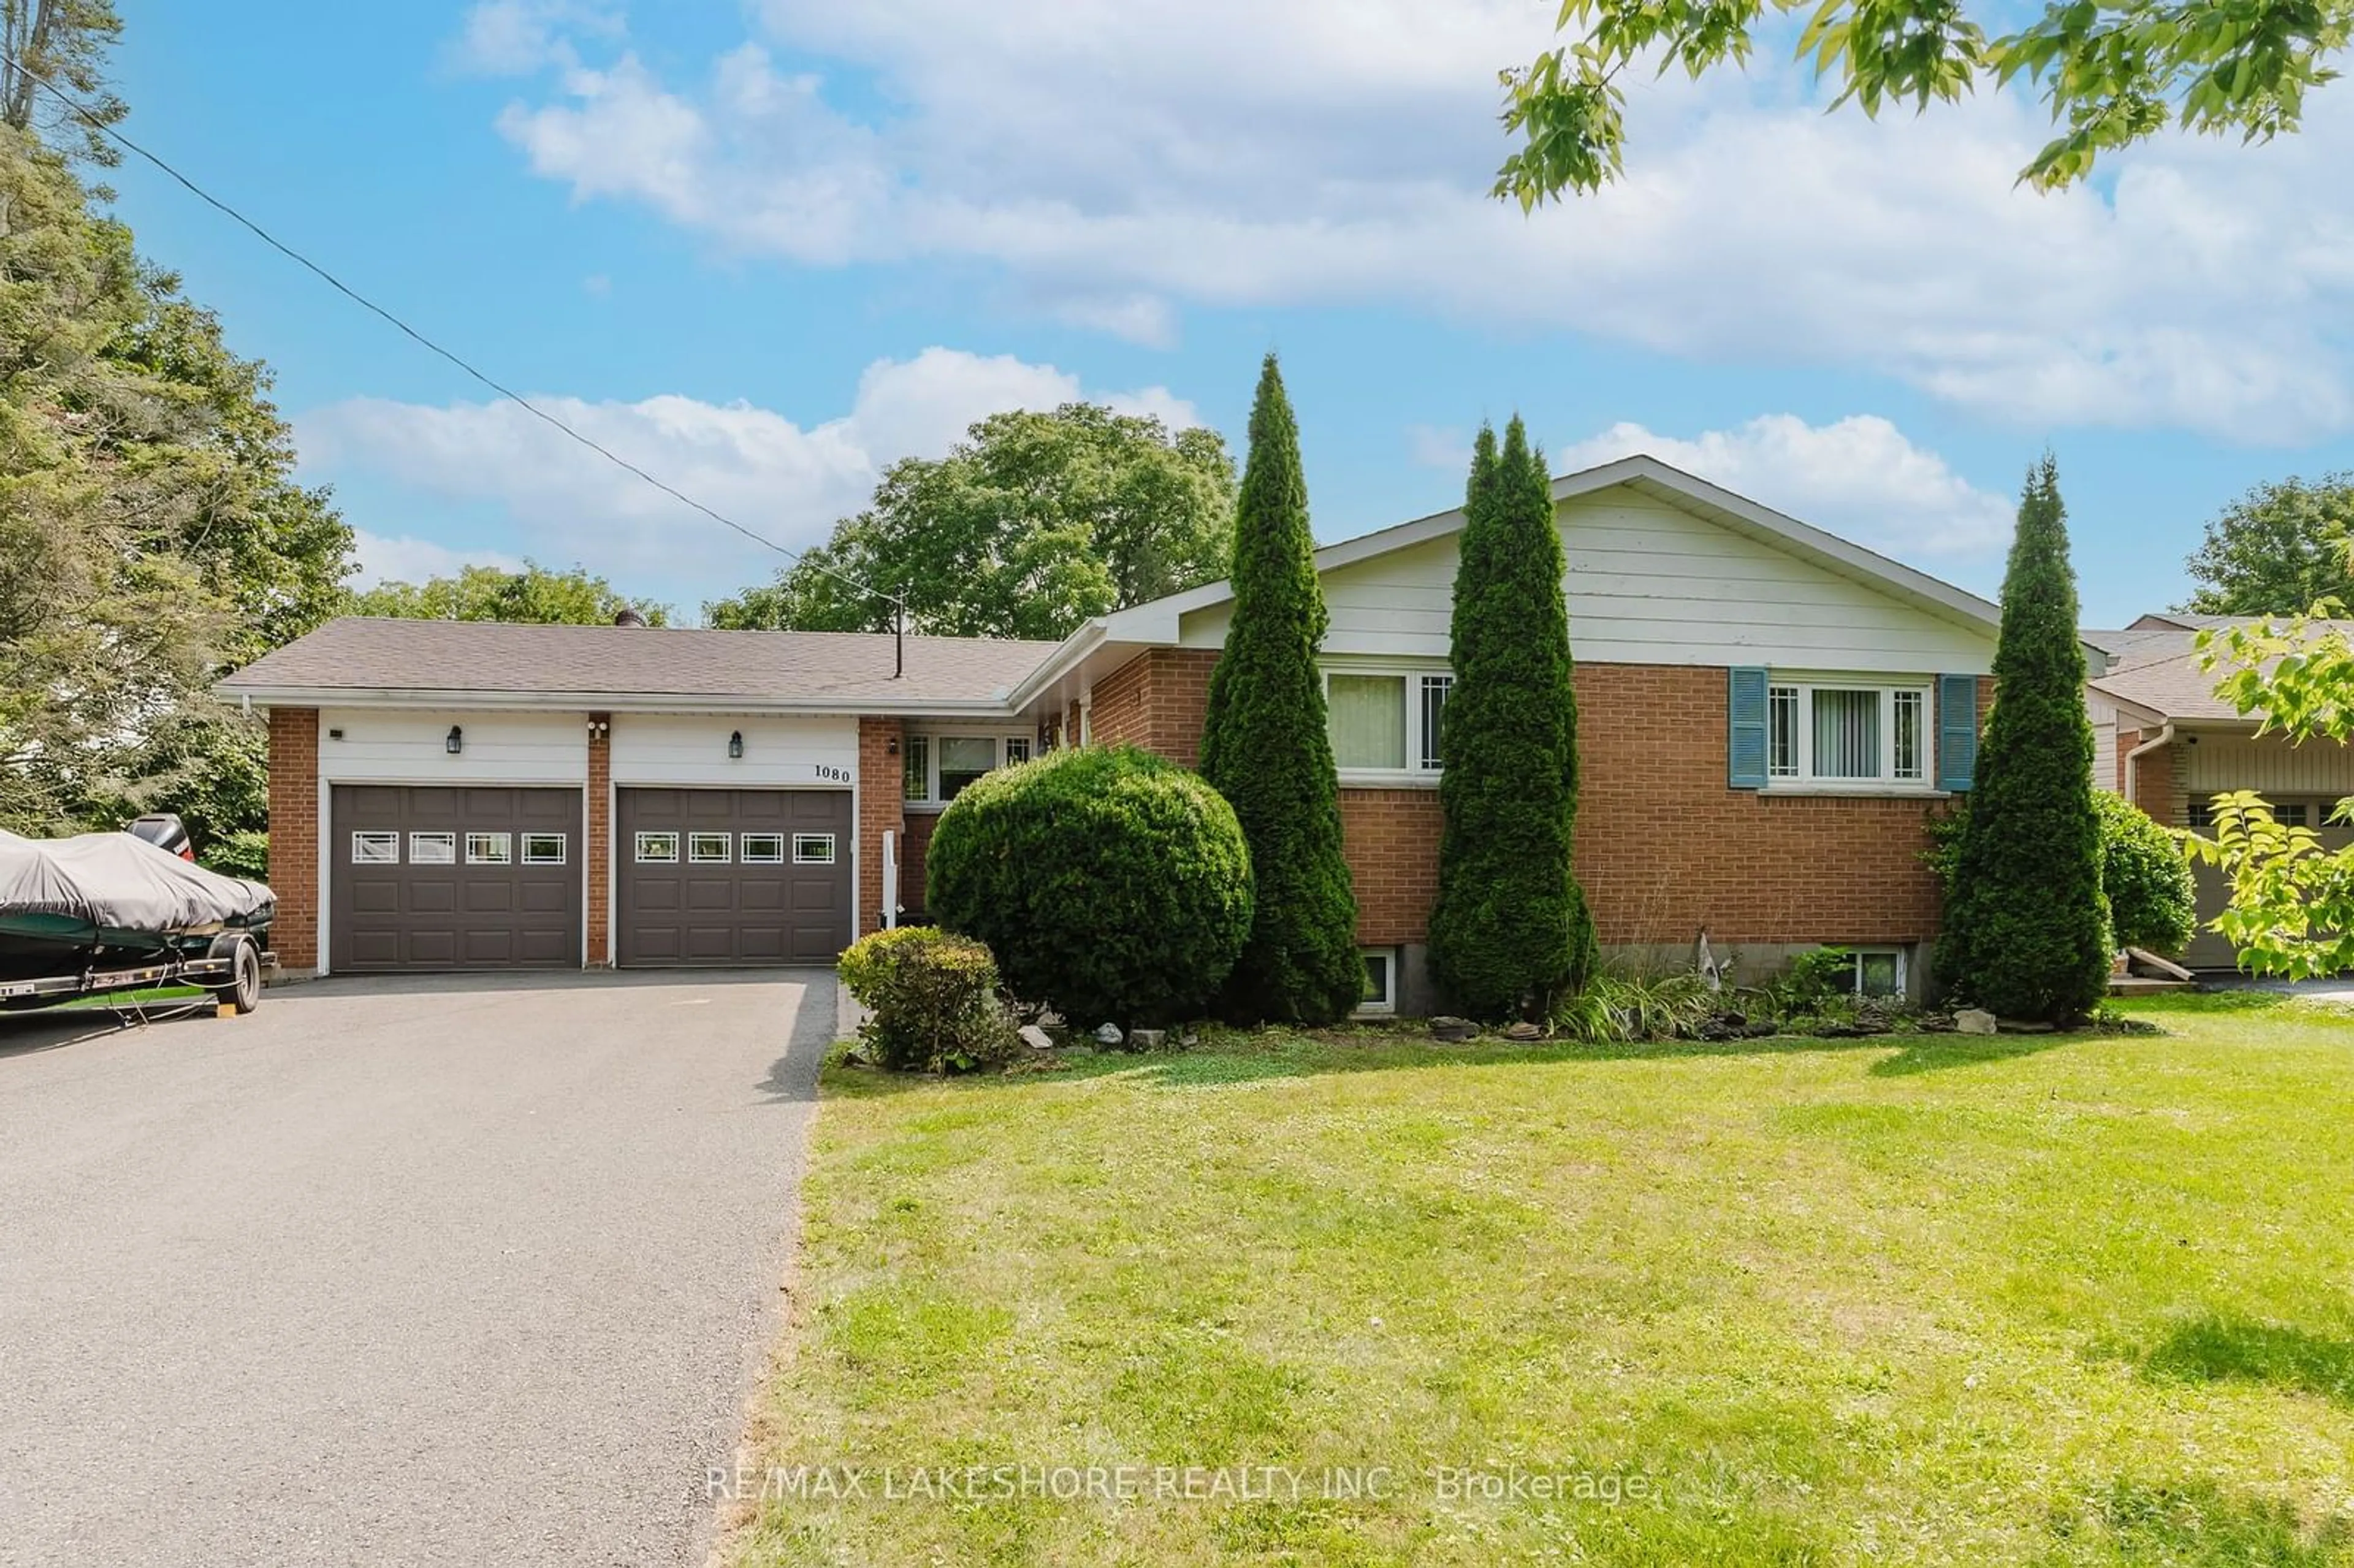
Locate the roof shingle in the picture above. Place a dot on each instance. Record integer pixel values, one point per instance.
(364, 655)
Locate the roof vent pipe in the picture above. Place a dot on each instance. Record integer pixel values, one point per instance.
(628, 617)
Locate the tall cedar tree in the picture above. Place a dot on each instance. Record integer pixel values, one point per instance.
(1511, 930)
(2027, 930)
(1266, 749)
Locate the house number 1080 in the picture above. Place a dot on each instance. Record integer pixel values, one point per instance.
(831, 774)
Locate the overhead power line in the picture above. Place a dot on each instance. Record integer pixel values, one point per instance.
(899, 605)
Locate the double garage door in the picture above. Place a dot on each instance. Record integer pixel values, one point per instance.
(466, 878)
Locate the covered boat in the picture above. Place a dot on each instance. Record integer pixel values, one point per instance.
(106, 901)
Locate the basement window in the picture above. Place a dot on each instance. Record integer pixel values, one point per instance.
(1381, 982)
(1875, 971)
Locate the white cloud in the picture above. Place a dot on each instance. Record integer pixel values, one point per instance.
(781, 480)
(1859, 477)
(1118, 159)
(1434, 446)
(503, 38)
(409, 559)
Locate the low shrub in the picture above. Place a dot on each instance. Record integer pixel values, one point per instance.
(1112, 886)
(2153, 904)
(2145, 875)
(933, 1000)
(1612, 1009)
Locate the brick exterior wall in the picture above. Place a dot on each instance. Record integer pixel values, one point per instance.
(1392, 841)
(1157, 700)
(918, 841)
(2154, 789)
(882, 807)
(294, 835)
(1664, 848)
(600, 840)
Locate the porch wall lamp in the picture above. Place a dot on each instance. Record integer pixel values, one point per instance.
(456, 741)
(891, 746)
(735, 746)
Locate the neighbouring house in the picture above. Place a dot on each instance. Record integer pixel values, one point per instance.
(1768, 715)
(2164, 741)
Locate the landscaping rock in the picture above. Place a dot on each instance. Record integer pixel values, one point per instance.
(1524, 1031)
(1035, 1038)
(1147, 1039)
(1973, 1021)
(1109, 1036)
(1447, 1028)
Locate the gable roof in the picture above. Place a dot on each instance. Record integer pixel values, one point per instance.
(2156, 666)
(497, 664)
(1158, 621)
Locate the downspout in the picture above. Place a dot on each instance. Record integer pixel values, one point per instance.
(2133, 783)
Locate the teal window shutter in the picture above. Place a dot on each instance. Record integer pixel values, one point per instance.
(1958, 732)
(1745, 748)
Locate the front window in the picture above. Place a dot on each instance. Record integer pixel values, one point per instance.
(1385, 722)
(1842, 734)
(939, 766)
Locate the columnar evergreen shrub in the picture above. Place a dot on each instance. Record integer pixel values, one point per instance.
(2027, 929)
(932, 1000)
(1112, 884)
(2153, 903)
(1264, 746)
(1510, 932)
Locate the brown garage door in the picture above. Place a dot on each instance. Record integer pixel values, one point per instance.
(733, 876)
(453, 878)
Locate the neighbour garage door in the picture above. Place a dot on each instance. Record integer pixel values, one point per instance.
(454, 877)
(733, 876)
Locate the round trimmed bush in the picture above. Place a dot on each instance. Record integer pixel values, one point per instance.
(2153, 904)
(1111, 885)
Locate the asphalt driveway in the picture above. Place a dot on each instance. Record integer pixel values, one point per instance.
(421, 1271)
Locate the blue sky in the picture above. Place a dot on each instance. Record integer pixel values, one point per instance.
(766, 249)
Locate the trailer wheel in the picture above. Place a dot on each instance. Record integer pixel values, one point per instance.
(243, 991)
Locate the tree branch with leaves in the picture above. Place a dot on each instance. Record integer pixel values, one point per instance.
(2111, 73)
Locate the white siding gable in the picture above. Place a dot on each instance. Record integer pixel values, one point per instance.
(682, 748)
(1650, 583)
(409, 746)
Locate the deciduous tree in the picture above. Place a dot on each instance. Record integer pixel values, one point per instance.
(2113, 72)
(2280, 549)
(1032, 524)
(536, 594)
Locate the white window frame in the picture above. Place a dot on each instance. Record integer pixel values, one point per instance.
(504, 841)
(377, 839)
(772, 849)
(930, 741)
(1421, 767)
(531, 855)
(825, 839)
(445, 843)
(1385, 1005)
(697, 838)
(1858, 954)
(638, 849)
(1796, 693)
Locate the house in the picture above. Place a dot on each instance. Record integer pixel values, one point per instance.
(1768, 715)
(2163, 739)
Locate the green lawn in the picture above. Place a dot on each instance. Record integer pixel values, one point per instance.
(2069, 1301)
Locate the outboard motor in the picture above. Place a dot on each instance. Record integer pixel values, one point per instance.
(165, 832)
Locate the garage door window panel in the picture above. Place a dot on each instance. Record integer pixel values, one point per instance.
(490, 849)
(710, 849)
(432, 849)
(762, 849)
(657, 849)
(812, 849)
(373, 848)
(543, 848)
